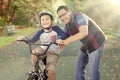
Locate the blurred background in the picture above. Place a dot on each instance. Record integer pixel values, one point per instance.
(25, 12)
(20, 17)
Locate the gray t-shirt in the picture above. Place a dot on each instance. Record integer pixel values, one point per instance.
(48, 37)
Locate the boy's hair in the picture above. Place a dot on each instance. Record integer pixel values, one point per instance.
(45, 13)
(62, 7)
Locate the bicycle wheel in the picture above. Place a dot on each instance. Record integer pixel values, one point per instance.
(32, 77)
(44, 78)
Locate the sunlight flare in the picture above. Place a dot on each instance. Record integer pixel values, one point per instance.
(115, 3)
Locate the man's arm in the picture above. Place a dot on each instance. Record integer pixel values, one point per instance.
(83, 32)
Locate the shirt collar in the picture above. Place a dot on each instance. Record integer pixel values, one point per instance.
(72, 19)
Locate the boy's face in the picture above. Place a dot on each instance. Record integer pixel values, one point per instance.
(46, 21)
(64, 16)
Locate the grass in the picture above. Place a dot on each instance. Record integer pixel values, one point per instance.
(109, 33)
(6, 40)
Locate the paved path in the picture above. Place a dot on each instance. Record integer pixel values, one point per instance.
(15, 61)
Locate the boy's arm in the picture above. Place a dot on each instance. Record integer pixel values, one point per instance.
(62, 35)
(35, 38)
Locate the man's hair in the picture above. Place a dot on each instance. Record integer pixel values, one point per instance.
(45, 13)
(62, 7)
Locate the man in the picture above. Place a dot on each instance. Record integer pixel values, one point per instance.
(81, 27)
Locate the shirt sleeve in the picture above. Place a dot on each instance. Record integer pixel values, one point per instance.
(60, 32)
(66, 32)
(35, 38)
(81, 19)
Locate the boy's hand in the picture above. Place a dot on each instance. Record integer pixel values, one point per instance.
(21, 38)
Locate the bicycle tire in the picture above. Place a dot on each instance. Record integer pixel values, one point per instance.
(44, 78)
(34, 77)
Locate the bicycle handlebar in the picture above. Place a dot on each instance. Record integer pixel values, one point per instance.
(30, 46)
(26, 41)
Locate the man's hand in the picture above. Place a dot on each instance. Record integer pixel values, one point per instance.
(65, 42)
(59, 41)
(62, 42)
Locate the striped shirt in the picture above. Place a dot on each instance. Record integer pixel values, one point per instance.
(95, 37)
(48, 37)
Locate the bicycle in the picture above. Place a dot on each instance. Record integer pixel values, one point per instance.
(41, 73)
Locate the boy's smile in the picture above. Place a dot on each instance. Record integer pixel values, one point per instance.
(46, 21)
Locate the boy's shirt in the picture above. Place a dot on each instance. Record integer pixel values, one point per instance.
(48, 37)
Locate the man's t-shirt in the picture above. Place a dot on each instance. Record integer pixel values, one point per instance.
(95, 37)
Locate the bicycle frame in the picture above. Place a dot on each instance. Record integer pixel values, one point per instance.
(48, 45)
(41, 73)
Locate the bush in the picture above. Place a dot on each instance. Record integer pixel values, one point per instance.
(2, 22)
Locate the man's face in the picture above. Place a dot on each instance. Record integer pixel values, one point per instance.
(64, 16)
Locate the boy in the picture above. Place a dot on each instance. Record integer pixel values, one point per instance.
(47, 34)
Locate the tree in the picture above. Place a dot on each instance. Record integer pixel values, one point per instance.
(7, 11)
(105, 15)
(28, 10)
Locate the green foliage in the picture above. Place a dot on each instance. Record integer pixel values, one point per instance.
(2, 22)
(28, 10)
(7, 10)
(100, 11)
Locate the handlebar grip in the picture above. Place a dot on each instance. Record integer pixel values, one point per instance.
(54, 43)
(25, 40)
